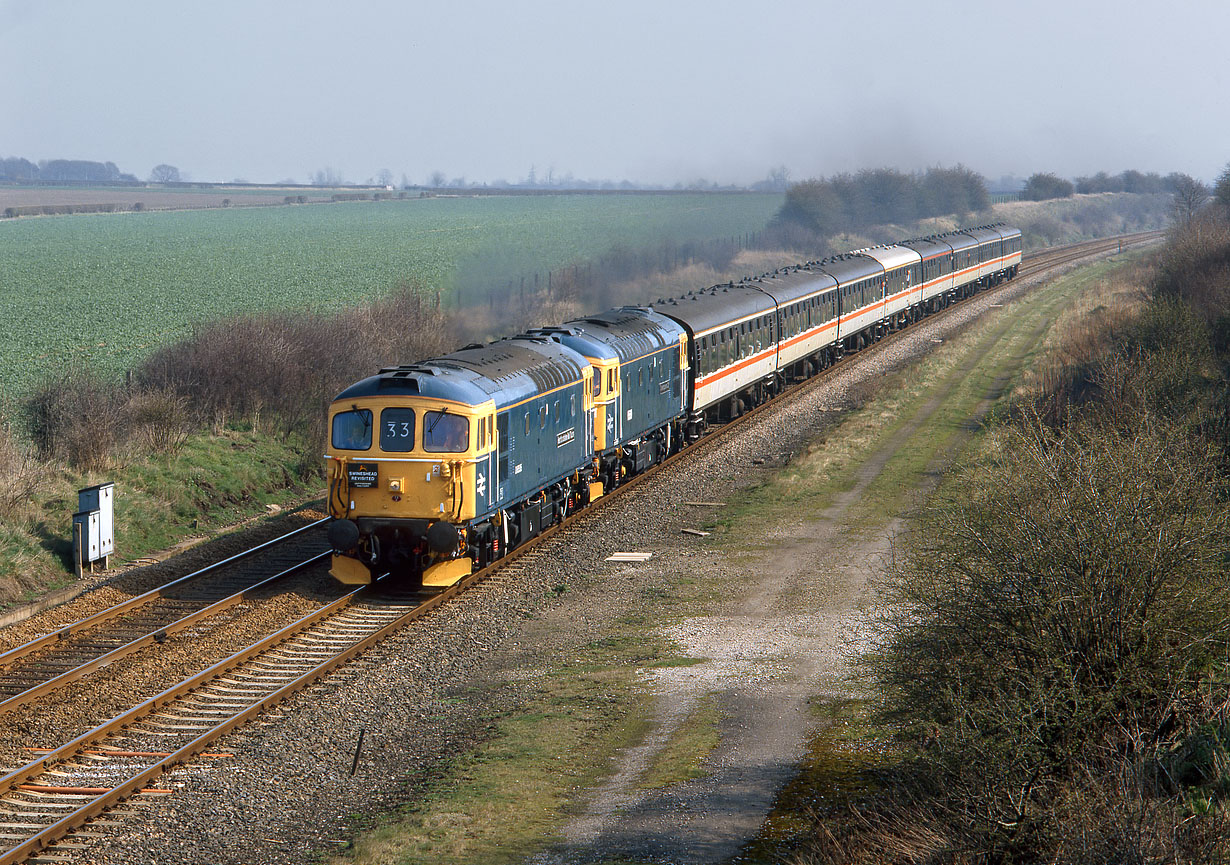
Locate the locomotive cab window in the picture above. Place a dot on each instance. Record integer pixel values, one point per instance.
(397, 430)
(446, 433)
(352, 430)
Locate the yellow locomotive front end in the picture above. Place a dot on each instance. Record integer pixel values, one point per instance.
(406, 475)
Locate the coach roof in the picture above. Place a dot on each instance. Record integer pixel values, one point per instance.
(703, 311)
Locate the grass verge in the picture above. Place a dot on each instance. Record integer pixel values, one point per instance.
(209, 484)
(920, 418)
(508, 797)
(689, 744)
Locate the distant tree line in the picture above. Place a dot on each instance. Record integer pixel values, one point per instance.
(1045, 186)
(846, 202)
(15, 168)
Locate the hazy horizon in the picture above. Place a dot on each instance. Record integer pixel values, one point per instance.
(651, 93)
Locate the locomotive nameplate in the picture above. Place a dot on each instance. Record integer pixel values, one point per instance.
(362, 476)
(565, 437)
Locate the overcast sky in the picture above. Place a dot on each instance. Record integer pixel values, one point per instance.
(655, 91)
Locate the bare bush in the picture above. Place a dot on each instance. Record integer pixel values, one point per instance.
(20, 476)
(1195, 266)
(1057, 607)
(283, 368)
(157, 421)
(76, 418)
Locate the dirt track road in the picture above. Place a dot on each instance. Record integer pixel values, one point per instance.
(780, 640)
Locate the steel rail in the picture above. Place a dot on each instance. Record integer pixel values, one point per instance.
(135, 783)
(151, 638)
(18, 652)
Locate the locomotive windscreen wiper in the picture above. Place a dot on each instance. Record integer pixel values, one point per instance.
(440, 417)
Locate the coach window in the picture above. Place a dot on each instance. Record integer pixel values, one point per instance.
(352, 430)
(445, 432)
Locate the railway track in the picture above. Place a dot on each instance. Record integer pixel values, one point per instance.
(42, 665)
(53, 796)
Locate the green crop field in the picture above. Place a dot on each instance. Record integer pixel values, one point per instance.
(107, 289)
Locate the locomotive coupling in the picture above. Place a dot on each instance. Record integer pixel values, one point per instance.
(343, 535)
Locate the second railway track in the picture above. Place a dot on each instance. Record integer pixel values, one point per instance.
(40, 666)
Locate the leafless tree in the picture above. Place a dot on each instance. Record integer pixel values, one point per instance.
(1190, 195)
(1221, 190)
(164, 173)
(327, 176)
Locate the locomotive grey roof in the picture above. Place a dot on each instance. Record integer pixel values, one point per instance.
(507, 371)
(702, 311)
(627, 333)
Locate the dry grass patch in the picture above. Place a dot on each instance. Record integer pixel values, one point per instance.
(687, 748)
